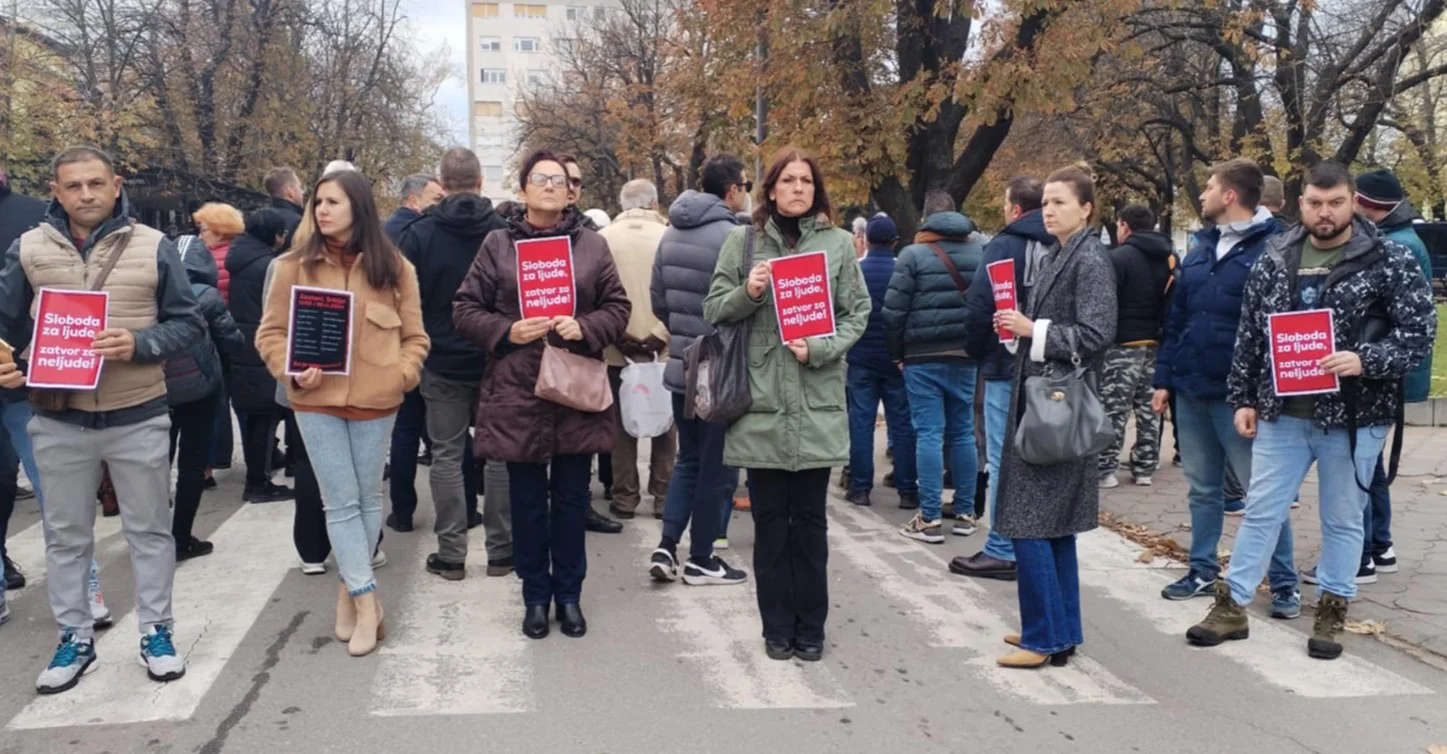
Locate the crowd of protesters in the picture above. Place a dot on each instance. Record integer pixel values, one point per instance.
(447, 372)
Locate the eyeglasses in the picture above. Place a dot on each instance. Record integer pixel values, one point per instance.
(543, 179)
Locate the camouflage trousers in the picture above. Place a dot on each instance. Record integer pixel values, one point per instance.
(1125, 388)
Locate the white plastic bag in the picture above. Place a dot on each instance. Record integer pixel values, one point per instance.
(646, 405)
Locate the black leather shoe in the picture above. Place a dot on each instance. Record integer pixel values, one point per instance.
(14, 579)
(600, 523)
(779, 649)
(983, 566)
(571, 616)
(399, 524)
(857, 497)
(474, 520)
(910, 501)
(535, 621)
(619, 512)
(808, 650)
(450, 571)
(268, 493)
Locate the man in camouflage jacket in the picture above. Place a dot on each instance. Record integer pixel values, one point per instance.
(1384, 324)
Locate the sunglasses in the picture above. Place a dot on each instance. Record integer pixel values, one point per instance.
(543, 179)
(748, 186)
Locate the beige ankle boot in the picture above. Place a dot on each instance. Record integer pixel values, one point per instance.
(346, 614)
(370, 628)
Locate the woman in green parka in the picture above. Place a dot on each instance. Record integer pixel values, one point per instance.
(797, 428)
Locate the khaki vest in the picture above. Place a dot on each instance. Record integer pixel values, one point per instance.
(50, 260)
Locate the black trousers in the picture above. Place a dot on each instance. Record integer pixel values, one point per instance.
(258, 439)
(9, 485)
(309, 519)
(192, 427)
(791, 551)
(549, 523)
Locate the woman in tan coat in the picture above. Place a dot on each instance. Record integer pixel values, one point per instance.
(346, 420)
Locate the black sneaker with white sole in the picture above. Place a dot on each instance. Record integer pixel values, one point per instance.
(715, 572)
(662, 565)
(1386, 562)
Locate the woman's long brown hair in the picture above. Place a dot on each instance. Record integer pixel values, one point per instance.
(380, 260)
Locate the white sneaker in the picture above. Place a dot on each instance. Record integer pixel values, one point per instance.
(380, 559)
(73, 659)
(722, 543)
(1144, 481)
(313, 569)
(964, 525)
(98, 610)
(1109, 482)
(158, 655)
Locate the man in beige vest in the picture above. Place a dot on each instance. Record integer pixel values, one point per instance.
(124, 421)
(633, 238)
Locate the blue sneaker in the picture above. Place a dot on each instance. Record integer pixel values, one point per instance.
(158, 655)
(73, 659)
(1286, 603)
(1191, 585)
(1235, 507)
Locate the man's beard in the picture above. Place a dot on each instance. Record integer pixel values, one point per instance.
(1316, 233)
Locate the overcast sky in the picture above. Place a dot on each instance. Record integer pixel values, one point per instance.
(439, 23)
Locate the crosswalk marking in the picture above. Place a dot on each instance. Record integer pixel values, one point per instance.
(720, 625)
(27, 549)
(960, 613)
(216, 600)
(1274, 652)
(454, 648)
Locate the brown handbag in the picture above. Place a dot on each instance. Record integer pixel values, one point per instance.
(569, 379)
(56, 399)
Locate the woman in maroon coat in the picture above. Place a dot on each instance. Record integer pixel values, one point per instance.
(535, 436)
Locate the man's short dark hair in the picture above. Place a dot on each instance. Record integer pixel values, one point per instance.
(277, 179)
(720, 173)
(1025, 192)
(938, 201)
(81, 153)
(414, 185)
(1137, 217)
(1242, 176)
(460, 170)
(1328, 174)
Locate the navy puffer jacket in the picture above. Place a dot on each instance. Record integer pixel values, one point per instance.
(871, 351)
(924, 311)
(698, 223)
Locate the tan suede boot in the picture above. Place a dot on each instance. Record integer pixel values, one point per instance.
(346, 614)
(370, 628)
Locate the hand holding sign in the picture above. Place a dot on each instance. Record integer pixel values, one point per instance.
(800, 349)
(1011, 321)
(759, 279)
(310, 379)
(115, 343)
(11, 377)
(1342, 364)
(525, 331)
(568, 328)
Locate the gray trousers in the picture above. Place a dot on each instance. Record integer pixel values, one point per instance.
(450, 404)
(69, 459)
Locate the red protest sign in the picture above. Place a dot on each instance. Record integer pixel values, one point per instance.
(1002, 285)
(1298, 340)
(802, 299)
(545, 277)
(66, 323)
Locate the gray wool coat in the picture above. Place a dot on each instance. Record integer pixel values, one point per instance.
(1075, 293)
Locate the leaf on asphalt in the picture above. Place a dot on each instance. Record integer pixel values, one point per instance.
(1367, 628)
(1156, 545)
(1439, 749)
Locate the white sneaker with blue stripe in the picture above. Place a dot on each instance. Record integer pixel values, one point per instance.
(158, 655)
(73, 659)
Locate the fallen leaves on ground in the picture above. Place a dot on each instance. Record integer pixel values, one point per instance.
(1440, 749)
(1368, 628)
(1156, 545)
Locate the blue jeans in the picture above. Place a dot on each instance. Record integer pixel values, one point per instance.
(1284, 451)
(997, 423)
(702, 487)
(1208, 439)
(347, 458)
(1049, 586)
(942, 405)
(867, 387)
(1377, 522)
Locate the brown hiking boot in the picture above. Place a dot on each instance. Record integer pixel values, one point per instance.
(1227, 621)
(1331, 618)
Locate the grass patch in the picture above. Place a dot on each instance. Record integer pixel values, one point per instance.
(1439, 356)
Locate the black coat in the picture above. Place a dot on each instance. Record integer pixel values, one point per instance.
(253, 389)
(293, 217)
(399, 220)
(18, 213)
(441, 245)
(1142, 268)
(1014, 242)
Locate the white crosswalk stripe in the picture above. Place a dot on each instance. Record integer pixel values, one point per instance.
(454, 648)
(27, 548)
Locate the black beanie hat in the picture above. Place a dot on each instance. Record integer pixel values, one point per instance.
(1380, 189)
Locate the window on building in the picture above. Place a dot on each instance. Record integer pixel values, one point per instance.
(600, 12)
(485, 10)
(494, 76)
(520, 10)
(564, 45)
(536, 77)
(491, 44)
(492, 173)
(527, 44)
(489, 141)
(577, 13)
(490, 109)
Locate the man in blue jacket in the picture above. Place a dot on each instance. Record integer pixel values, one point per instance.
(874, 377)
(1025, 242)
(1193, 362)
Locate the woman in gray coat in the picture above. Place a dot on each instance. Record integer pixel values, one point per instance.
(1071, 315)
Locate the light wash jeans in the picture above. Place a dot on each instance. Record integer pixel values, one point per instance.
(348, 457)
(1283, 453)
(997, 424)
(942, 409)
